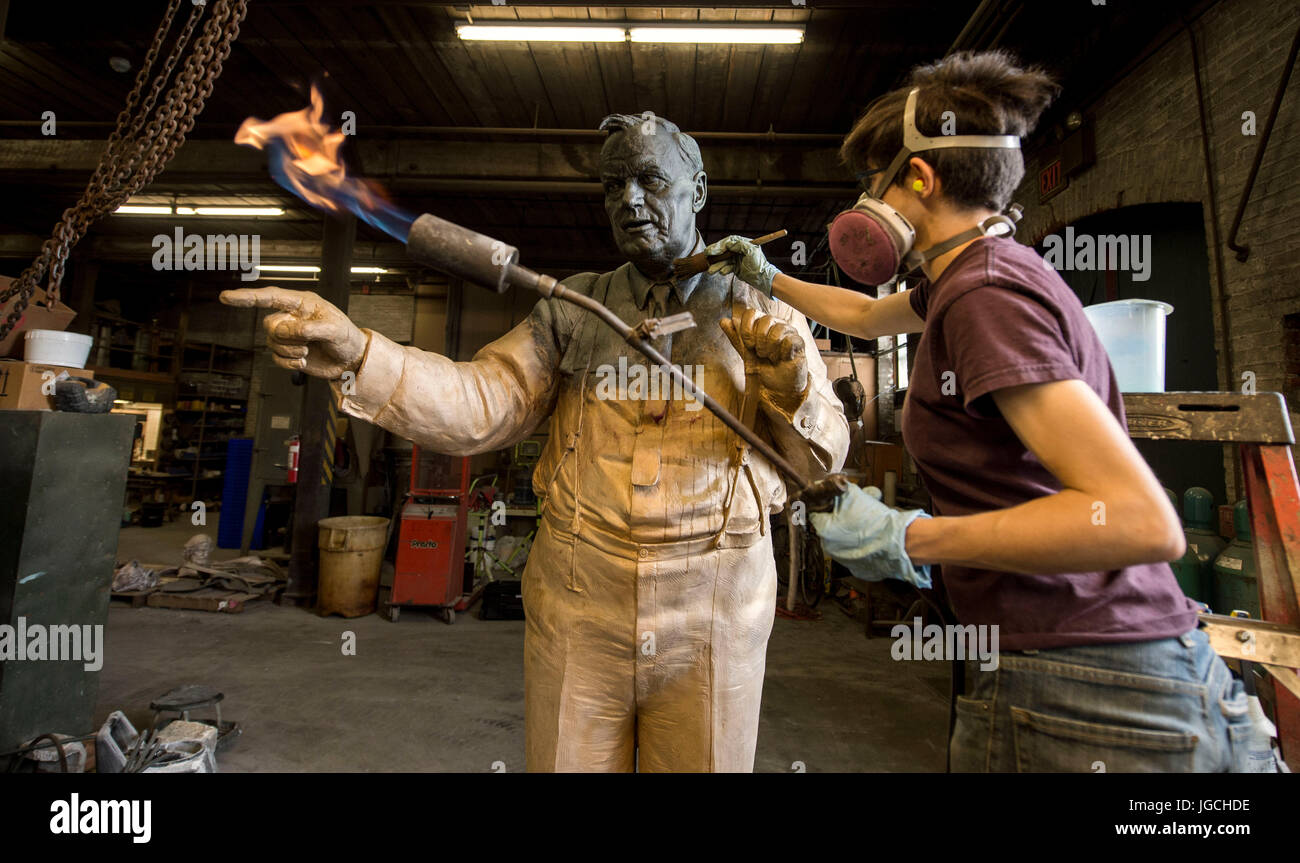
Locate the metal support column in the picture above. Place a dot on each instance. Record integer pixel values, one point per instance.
(316, 458)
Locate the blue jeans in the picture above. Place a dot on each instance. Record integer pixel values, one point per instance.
(1169, 706)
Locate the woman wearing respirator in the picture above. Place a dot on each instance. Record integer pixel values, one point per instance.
(1048, 523)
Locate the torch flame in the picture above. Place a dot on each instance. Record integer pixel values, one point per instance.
(304, 158)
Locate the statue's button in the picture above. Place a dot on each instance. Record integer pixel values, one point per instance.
(643, 552)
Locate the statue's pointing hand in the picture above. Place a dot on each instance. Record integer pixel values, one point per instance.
(305, 333)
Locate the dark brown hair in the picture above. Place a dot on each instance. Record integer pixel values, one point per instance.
(988, 94)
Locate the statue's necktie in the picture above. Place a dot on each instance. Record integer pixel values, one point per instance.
(661, 385)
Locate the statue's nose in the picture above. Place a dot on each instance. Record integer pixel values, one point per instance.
(633, 196)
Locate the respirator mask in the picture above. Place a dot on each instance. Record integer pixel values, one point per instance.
(872, 242)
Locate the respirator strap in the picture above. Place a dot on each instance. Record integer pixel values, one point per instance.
(985, 228)
(915, 142)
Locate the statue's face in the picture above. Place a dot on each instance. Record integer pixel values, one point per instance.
(651, 197)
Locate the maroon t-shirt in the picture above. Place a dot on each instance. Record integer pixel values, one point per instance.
(998, 317)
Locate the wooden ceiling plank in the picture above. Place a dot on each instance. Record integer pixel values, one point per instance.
(614, 61)
(742, 84)
(260, 37)
(505, 72)
(17, 93)
(771, 85)
(807, 79)
(379, 64)
(712, 67)
(414, 39)
(60, 99)
(745, 99)
(428, 97)
(679, 72)
(359, 91)
(287, 40)
(584, 68)
(462, 68)
(72, 75)
(847, 54)
(649, 88)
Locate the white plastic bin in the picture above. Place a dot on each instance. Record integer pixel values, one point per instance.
(57, 348)
(1133, 333)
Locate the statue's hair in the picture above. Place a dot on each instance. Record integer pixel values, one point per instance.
(617, 124)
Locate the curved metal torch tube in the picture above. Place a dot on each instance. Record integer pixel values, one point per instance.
(549, 287)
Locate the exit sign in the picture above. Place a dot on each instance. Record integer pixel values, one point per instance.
(1051, 180)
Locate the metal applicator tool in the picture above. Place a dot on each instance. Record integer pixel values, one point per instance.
(684, 268)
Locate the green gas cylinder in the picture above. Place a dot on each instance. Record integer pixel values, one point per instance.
(1235, 576)
(1195, 569)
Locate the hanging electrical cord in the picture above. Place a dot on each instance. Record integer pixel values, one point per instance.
(143, 140)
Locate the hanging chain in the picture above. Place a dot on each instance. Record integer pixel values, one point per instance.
(140, 145)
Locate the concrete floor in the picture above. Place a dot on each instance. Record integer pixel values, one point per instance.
(423, 696)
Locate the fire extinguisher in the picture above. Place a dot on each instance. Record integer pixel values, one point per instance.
(294, 445)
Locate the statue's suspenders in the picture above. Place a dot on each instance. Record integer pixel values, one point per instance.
(741, 454)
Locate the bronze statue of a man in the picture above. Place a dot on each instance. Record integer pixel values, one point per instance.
(651, 587)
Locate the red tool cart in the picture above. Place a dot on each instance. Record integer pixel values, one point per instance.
(430, 568)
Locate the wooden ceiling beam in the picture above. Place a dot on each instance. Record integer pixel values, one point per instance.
(415, 164)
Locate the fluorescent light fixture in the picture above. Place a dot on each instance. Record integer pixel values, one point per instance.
(308, 268)
(140, 210)
(687, 34)
(165, 210)
(720, 35)
(229, 211)
(540, 33)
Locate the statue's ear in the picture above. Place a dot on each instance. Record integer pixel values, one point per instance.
(701, 191)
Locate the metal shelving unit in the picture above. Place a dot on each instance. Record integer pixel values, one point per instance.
(218, 377)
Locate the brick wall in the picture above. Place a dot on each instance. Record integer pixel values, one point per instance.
(1149, 150)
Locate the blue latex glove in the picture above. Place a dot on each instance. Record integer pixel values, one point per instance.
(747, 262)
(869, 538)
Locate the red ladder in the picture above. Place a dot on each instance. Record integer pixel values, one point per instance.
(1260, 425)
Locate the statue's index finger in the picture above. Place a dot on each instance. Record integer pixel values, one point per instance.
(264, 298)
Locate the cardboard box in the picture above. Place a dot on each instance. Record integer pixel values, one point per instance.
(39, 315)
(21, 385)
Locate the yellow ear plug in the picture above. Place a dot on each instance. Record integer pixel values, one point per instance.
(918, 185)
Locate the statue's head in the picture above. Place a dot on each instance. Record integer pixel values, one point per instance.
(654, 184)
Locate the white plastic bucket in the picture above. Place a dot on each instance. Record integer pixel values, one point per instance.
(57, 348)
(1133, 333)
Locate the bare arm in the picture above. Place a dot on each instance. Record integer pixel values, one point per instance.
(1110, 513)
(849, 311)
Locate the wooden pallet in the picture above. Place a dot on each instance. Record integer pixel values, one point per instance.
(207, 599)
(136, 598)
